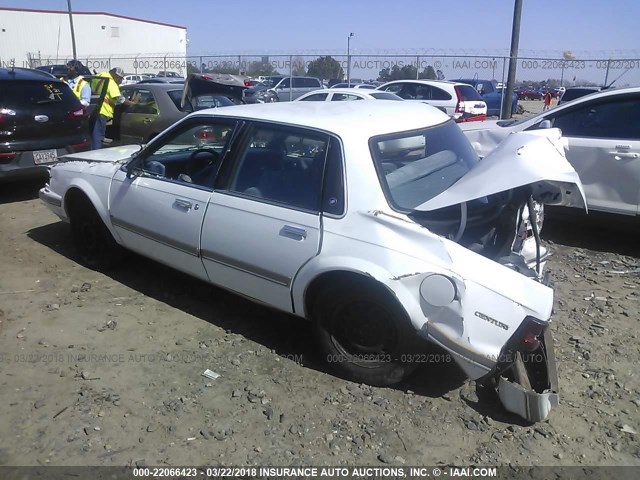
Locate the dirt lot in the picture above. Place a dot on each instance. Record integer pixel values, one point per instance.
(102, 369)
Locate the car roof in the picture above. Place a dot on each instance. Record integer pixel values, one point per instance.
(424, 82)
(340, 117)
(153, 86)
(26, 74)
(343, 90)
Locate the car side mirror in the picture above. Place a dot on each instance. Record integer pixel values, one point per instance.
(544, 124)
(133, 168)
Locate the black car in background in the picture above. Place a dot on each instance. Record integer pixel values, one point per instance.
(571, 93)
(60, 71)
(40, 119)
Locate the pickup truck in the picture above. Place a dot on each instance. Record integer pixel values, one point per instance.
(490, 94)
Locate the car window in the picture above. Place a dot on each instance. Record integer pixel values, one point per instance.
(395, 88)
(333, 200)
(415, 166)
(190, 155)
(422, 92)
(211, 101)
(339, 97)
(408, 91)
(440, 94)
(316, 97)
(18, 94)
(384, 96)
(466, 93)
(176, 97)
(299, 82)
(612, 119)
(311, 83)
(144, 101)
(281, 165)
(284, 83)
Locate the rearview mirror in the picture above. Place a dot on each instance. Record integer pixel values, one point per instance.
(545, 124)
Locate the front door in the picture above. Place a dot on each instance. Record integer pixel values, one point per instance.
(603, 145)
(265, 224)
(158, 211)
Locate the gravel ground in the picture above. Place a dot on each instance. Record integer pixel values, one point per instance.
(102, 369)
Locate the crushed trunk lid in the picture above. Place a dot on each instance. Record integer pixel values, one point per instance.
(534, 158)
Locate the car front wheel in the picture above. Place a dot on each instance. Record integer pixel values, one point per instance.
(92, 238)
(364, 336)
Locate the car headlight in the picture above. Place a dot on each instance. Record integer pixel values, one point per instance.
(438, 290)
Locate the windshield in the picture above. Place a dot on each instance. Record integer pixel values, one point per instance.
(415, 166)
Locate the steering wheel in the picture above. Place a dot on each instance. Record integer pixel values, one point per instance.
(193, 166)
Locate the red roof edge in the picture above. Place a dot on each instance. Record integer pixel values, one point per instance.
(35, 10)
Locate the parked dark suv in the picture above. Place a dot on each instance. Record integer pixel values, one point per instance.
(40, 119)
(60, 71)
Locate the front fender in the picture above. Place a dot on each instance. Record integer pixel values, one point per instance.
(97, 191)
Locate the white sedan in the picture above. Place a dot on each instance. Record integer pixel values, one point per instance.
(384, 234)
(346, 94)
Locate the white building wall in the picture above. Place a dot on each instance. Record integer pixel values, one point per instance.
(102, 41)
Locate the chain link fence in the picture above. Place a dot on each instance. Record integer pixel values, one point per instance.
(374, 67)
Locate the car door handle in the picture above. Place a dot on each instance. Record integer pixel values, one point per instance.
(186, 204)
(293, 233)
(147, 120)
(621, 155)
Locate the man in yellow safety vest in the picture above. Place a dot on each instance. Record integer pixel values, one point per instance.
(112, 98)
(78, 84)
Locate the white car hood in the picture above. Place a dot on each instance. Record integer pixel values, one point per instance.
(525, 158)
(113, 154)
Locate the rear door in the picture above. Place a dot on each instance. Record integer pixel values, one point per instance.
(264, 225)
(603, 145)
(138, 121)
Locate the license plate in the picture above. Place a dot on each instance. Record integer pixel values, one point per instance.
(44, 156)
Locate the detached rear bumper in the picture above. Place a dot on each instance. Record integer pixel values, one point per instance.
(529, 387)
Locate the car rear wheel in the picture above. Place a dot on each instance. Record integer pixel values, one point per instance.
(365, 336)
(92, 238)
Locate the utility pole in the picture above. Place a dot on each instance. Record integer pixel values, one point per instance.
(73, 35)
(349, 59)
(513, 59)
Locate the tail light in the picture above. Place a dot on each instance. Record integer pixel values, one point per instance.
(77, 146)
(5, 113)
(459, 100)
(6, 157)
(529, 340)
(206, 77)
(247, 83)
(78, 113)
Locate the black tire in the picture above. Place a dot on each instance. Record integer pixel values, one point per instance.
(364, 335)
(92, 238)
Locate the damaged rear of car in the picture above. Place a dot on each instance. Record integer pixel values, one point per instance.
(476, 286)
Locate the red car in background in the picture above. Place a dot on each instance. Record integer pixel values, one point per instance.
(529, 94)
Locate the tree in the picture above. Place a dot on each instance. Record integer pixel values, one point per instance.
(325, 68)
(299, 66)
(406, 72)
(428, 73)
(256, 69)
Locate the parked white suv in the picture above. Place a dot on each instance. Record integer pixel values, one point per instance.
(458, 100)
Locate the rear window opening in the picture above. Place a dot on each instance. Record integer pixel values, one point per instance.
(467, 93)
